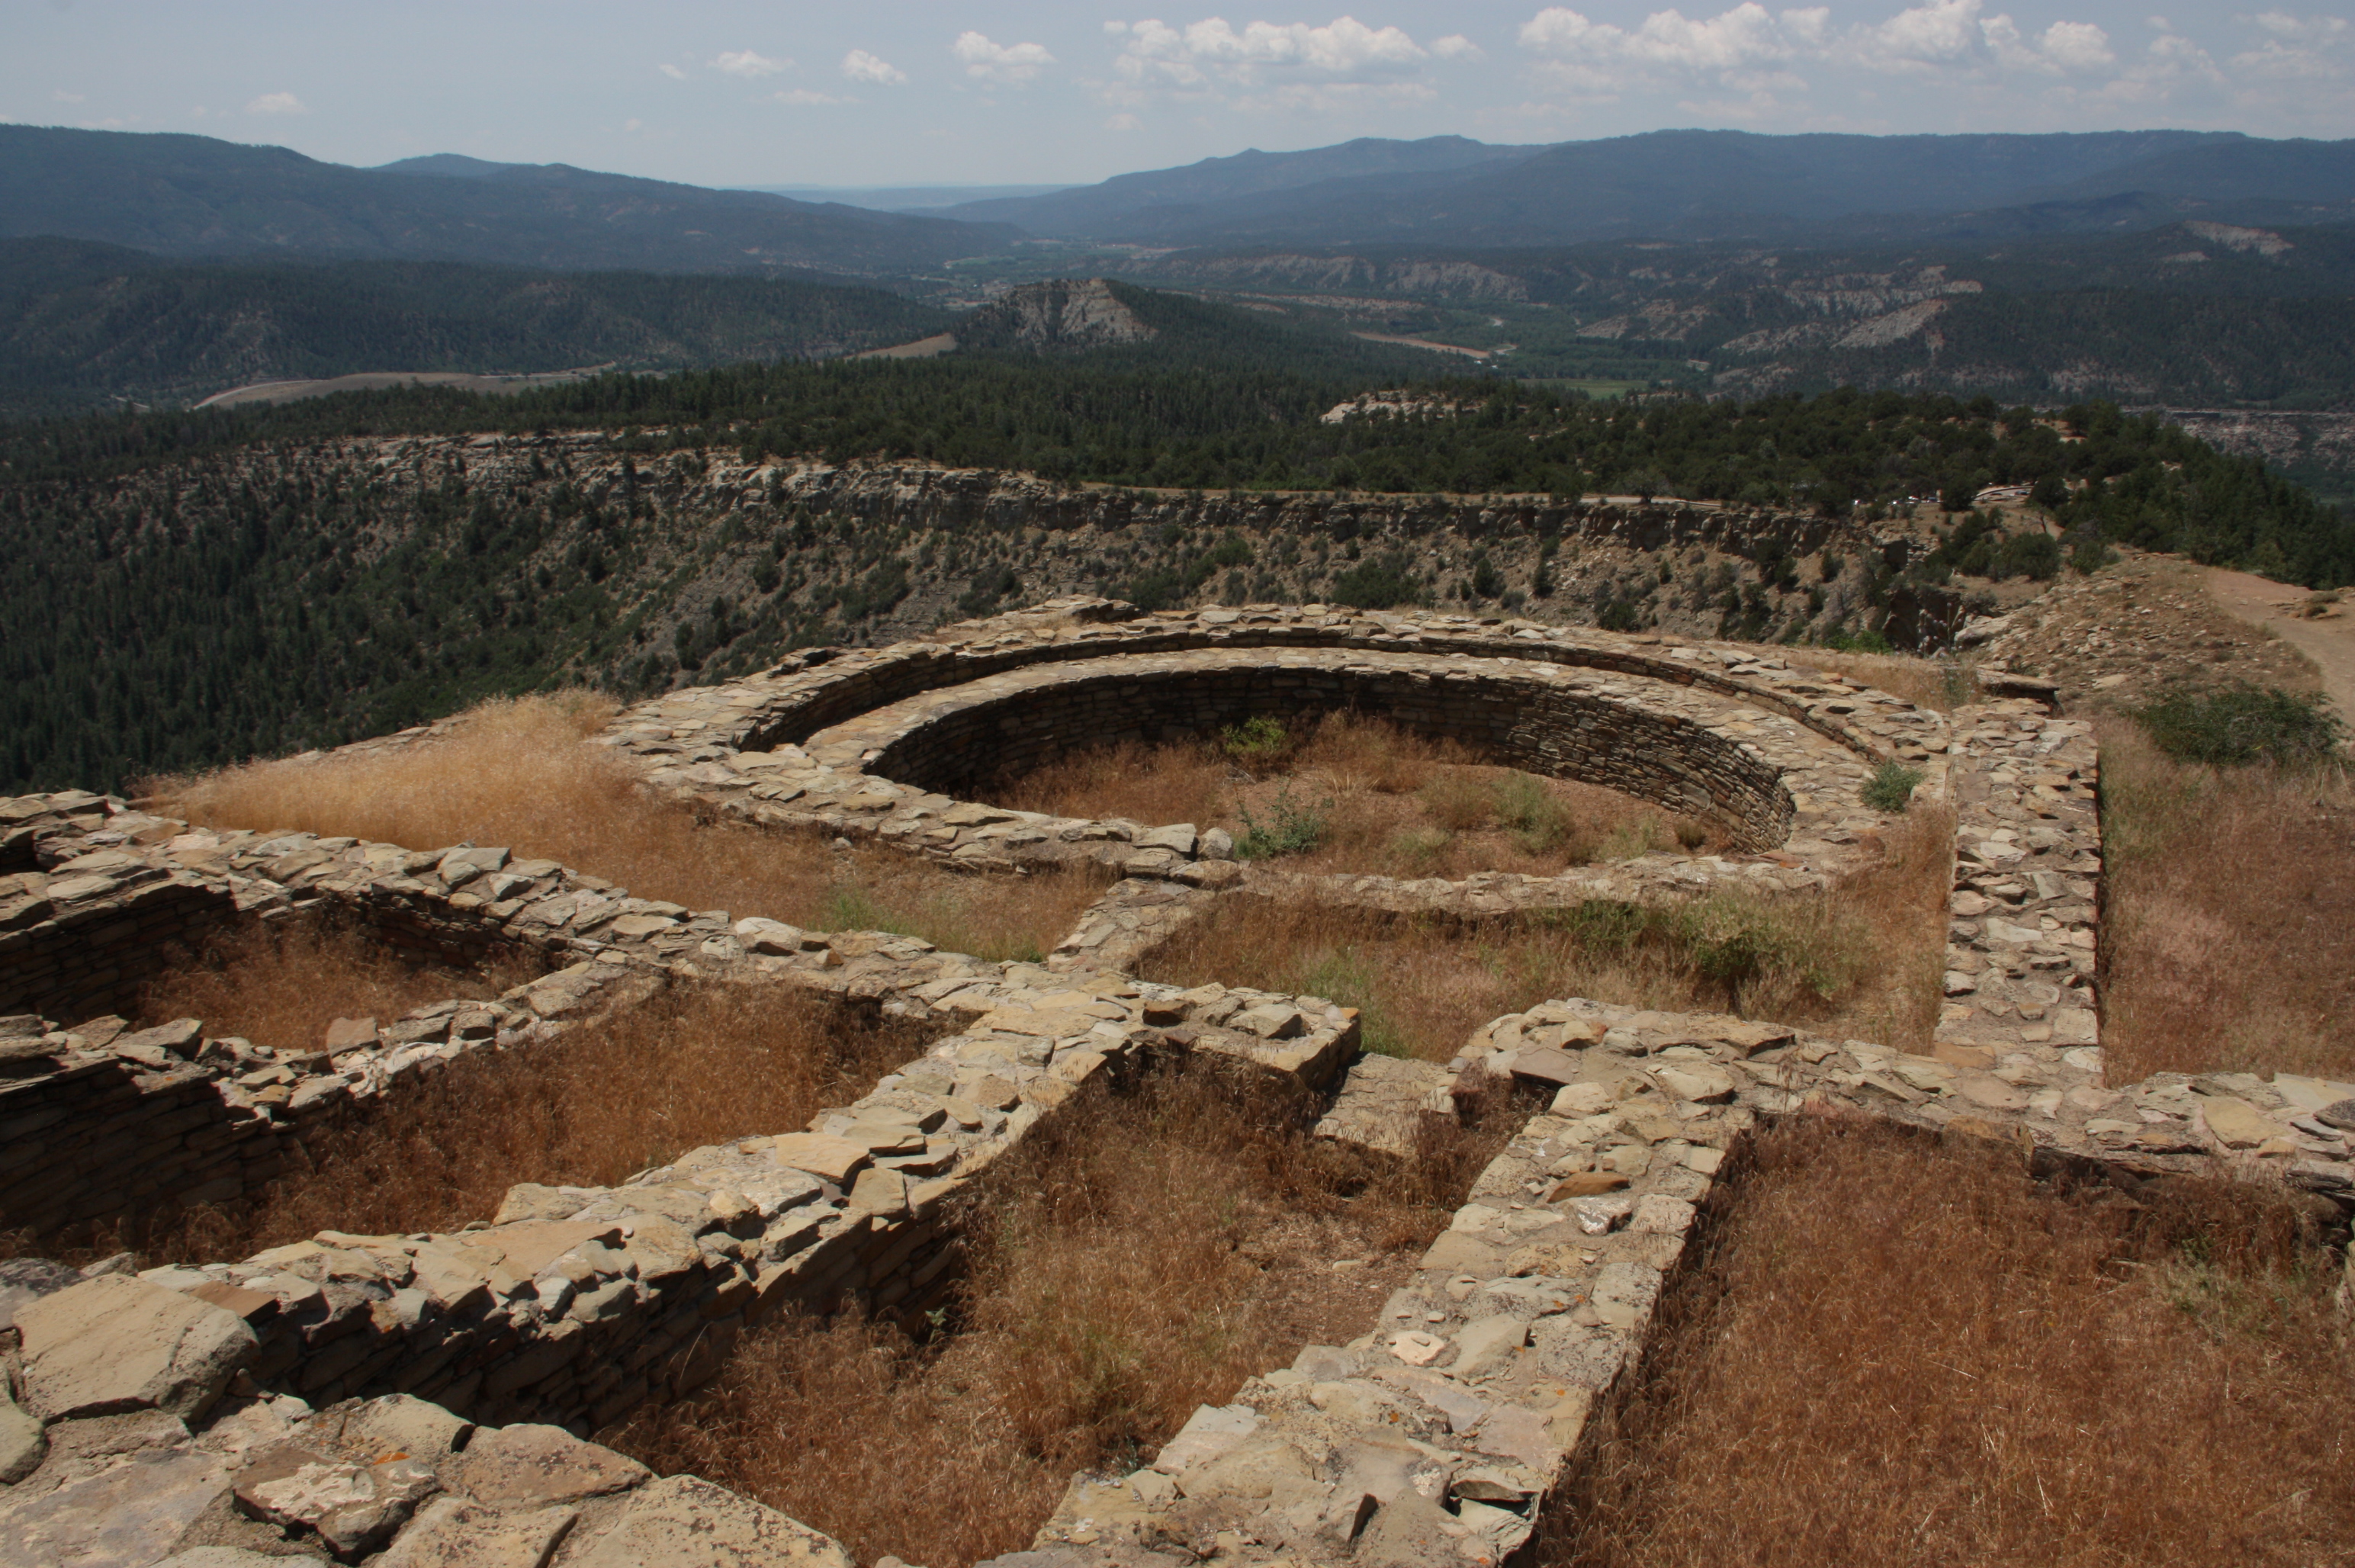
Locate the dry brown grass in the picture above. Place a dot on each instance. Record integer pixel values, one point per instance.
(1925, 683)
(1864, 960)
(2228, 929)
(688, 1067)
(281, 984)
(1393, 803)
(517, 773)
(1895, 1352)
(1138, 1254)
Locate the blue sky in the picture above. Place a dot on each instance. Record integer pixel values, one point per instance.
(720, 92)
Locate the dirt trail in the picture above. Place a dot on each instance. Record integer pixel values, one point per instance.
(2328, 640)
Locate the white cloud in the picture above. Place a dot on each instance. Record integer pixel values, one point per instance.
(1123, 123)
(672, 71)
(2295, 48)
(1748, 47)
(860, 66)
(1455, 46)
(745, 63)
(276, 104)
(802, 97)
(1190, 55)
(2289, 73)
(1756, 50)
(999, 62)
(63, 96)
(2078, 46)
(631, 127)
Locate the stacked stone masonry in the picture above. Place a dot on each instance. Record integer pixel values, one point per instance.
(874, 743)
(256, 1403)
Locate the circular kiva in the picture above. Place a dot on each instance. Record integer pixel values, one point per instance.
(1677, 749)
(904, 742)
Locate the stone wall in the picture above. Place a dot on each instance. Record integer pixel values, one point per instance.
(76, 940)
(1619, 744)
(1438, 1436)
(571, 1306)
(1815, 735)
(1433, 1438)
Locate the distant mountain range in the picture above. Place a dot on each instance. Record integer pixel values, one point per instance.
(163, 268)
(194, 195)
(1702, 185)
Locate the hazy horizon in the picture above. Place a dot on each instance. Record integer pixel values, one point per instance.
(1048, 92)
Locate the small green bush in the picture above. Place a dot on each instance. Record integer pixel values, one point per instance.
(1380, 584)
(1293, 829)
(1259, 739)
(2241, 724)
(1537, 819)
(1890, 789)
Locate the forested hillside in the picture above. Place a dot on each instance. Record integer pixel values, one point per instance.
(1129, 422)
(197, 195)
(82, 324)
(188, 588)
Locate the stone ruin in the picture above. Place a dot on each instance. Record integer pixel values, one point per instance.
(426, 1398)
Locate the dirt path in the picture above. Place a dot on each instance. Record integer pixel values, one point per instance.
(2328, 641)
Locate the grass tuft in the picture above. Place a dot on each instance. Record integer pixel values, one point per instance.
(1293, 827)
(1890, 787)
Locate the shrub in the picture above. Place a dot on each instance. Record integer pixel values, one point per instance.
(1259, 739)
(1890, 789)
(2033, 556)
(2088, 554)
(2241, 724)
(1539, 822)
(1382, 583)
(1293, 828)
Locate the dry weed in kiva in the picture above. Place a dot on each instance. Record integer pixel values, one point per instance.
(1894, 1353)
(2229, 929)
(518, 773)
(282, 985)
(594, 1106)
(1138, 1254)
(1862, 960)
(1388, 801)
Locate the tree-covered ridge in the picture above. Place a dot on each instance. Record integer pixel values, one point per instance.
(81, 324)
(187, 590)
(1144, 416)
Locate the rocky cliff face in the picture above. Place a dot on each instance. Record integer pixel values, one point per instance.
(1062, 313)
